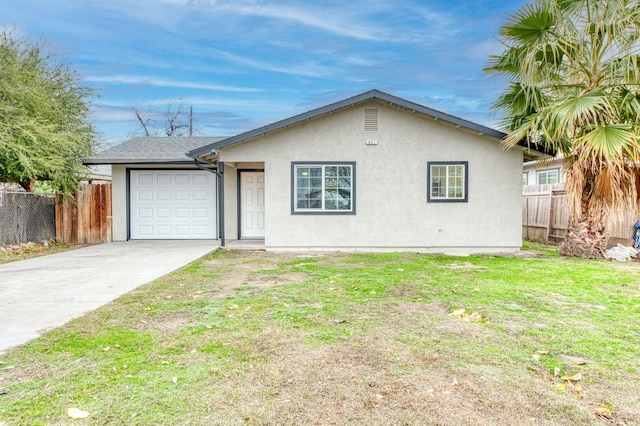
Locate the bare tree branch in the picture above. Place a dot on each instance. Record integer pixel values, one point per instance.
(176, 120)
(143, 118)
(175, 124)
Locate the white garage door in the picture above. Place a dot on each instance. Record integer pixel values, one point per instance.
(172, 204)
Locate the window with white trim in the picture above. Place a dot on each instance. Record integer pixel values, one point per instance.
(326, 188)
(525, 178)
(547, 176)
(447, 181)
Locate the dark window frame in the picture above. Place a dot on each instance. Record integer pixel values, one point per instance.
(295, 164)
(464, 199)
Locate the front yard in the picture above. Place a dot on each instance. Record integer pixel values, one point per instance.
(362, 339)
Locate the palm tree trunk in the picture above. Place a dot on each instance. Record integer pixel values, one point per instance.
(585, 236)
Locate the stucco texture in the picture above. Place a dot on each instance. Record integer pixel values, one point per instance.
(392, 212)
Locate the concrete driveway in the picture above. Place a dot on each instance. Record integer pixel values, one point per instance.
(45, 292)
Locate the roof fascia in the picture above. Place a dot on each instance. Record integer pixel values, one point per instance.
(363, 97)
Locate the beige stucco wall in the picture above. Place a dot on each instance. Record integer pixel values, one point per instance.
(119, 195)
(392, 212)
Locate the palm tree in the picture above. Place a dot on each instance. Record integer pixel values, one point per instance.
(573, 68)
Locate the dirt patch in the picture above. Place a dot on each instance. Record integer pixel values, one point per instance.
(248, 272)
(167, 323)
(378, 382)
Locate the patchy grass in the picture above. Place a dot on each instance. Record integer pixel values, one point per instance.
(22, 252)
(268, 338)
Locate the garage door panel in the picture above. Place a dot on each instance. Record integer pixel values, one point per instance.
(145, 179)
(145, 230)
(163, 179)
(145, 195)
(172, 204)
(199, 180)
(163, 213)
(200, 195)
(183, 195)
(145, 213)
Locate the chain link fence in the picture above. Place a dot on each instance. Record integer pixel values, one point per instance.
(26, 217)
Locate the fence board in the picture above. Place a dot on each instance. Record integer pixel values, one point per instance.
(88, 219)
(545, 216)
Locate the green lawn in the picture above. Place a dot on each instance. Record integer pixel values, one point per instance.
(274, 338)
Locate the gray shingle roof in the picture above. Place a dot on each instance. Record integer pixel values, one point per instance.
(150, 150)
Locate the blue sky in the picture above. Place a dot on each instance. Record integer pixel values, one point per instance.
(246, 63)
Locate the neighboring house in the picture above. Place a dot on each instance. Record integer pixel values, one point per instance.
(99, 174)
(373, 173)
(546, 172)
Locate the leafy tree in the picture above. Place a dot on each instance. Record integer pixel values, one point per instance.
(44, 132)
(574, 87)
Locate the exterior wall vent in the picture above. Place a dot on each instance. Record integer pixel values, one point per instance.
(371, 119)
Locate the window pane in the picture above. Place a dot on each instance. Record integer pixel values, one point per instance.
(315, 202)
(331, 200)
(438, 181)
(447, 181)
(548, 177)
(308, 187)
(542, 178)
(323, 187)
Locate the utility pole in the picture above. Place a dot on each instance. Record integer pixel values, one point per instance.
(191, 121)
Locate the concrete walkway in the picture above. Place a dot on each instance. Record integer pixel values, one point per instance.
(45, 292)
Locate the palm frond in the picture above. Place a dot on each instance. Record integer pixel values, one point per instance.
(607, 142)
(573, 68)
(530, 24)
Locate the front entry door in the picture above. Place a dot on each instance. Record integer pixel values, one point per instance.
(251, 205)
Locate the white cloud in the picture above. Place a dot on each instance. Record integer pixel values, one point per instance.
(162, 82)
(305, 69)
(111, 113)
(306, 16)
(368, 20)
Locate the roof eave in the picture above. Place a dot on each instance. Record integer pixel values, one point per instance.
(209, 150)
(99, 161)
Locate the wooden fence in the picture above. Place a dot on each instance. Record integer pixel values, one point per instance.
(545, 216)
(88, 219)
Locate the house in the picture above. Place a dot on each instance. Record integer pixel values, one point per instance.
(373, 172)
(546, 172)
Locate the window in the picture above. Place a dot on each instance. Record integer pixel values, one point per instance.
(525, 178)
(547, 176)
(447, 181)
(325, 188)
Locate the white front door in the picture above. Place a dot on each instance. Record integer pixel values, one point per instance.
(172, 204)
(251, 205)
